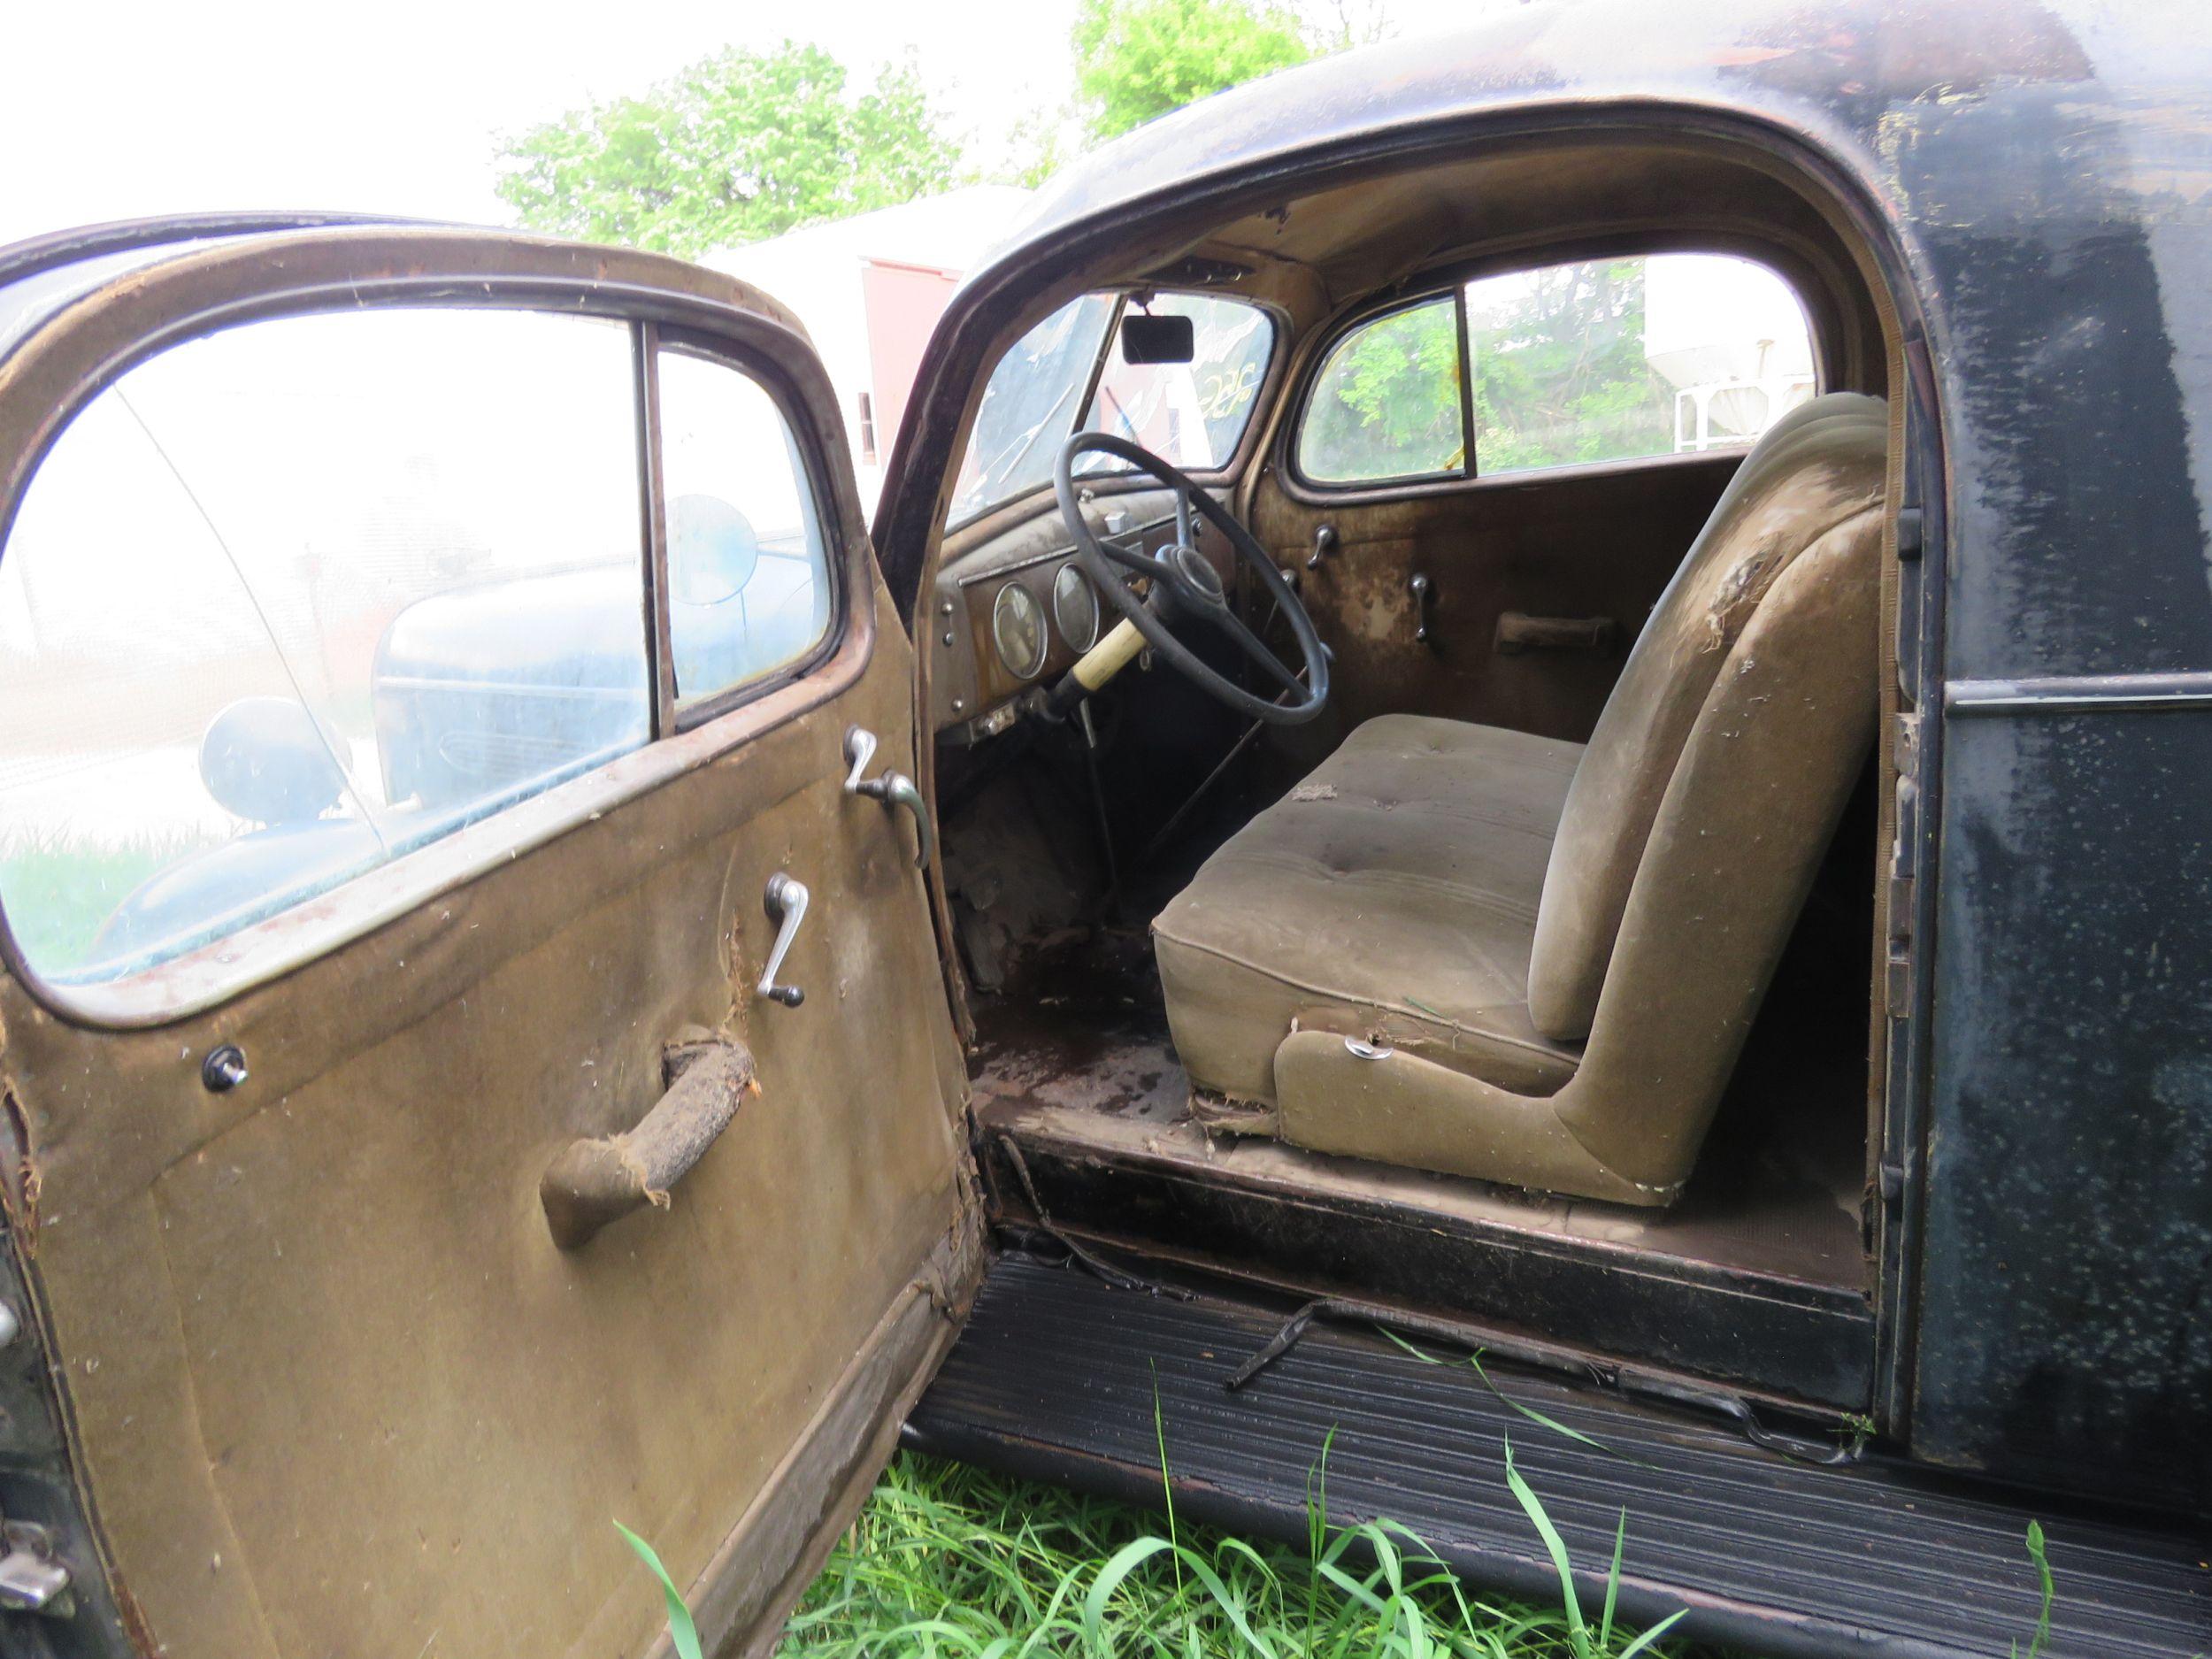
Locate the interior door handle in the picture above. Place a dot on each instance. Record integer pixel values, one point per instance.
(1424, 592)
(892, 788)
(594, 1182)
(1518, 632)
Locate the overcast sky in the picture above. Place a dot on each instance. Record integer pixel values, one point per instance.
(127, 108)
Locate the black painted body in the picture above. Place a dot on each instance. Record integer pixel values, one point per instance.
(2036, 183)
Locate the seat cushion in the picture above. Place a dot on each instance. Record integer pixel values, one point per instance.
(1392, 895)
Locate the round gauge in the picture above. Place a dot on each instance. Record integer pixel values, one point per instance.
(1017, 629)
(1075, 607)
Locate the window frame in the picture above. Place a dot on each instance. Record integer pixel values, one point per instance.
(1325, 353)
(673, 717)
(83, 349)
(1231, 465)
(1451, 282)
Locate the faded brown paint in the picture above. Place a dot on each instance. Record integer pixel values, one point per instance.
(333, 1388)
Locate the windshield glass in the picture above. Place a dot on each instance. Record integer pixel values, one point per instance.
(1029, 405)
(1190, 413)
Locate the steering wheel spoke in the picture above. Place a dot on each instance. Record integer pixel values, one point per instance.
(1133, 560)
(1257, 650)
(1185, 583)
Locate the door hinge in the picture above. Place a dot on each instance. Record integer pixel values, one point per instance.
(1898, 902)
(1911, 533)
(1905, 747)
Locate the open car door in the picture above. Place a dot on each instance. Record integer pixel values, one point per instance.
(475, 1068)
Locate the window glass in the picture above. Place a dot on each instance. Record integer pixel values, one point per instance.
(1029, 406)
(1191, 413)
(1385, 402)
(1615, 360)
(749, 580)
(287, 602)
(1603, 360)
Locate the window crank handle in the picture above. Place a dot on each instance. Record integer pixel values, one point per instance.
(786, 903)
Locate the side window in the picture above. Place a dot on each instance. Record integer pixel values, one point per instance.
(289, 601)
(1386, 403)
(1190, 413)
(1600, 360)
(749, 576)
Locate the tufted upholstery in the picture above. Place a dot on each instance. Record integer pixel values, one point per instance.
(1420, 841)
(1467, 903)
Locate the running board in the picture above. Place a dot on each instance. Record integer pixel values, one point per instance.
(1057, 1375)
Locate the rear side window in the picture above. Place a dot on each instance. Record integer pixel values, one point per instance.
(1600, 360)
(290, 600)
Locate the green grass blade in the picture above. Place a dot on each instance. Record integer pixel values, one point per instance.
(1577, 1633)
(1654, 1633)
(1167, 1485)
(1530, 1412)
(681, 1632)
(1613, 1581)
(2040, 1556)
(1231, 1607)
(1126, 1561)
(1555, 1426)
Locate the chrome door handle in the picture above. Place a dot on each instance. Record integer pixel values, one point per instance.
(1424, 592)
(892, 788)
(786, 903)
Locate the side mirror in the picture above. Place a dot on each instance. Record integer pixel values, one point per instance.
(266, 760)
(1145, 339)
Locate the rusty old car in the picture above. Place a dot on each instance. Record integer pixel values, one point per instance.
(1549, 695)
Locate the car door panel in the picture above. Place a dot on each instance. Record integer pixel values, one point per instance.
(1584, 544)
(332, 1386)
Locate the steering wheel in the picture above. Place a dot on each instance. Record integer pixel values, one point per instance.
(1184, 584)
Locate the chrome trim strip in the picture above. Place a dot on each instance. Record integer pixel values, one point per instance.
(2075, 694)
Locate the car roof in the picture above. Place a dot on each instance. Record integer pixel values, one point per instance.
(1848, 75)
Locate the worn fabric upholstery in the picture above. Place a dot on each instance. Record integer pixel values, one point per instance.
(1391, 894)
(1405, 893)
(1820, 465)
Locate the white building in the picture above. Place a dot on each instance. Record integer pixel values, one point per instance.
(869, 289)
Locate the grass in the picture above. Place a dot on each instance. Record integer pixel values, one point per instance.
(948, 1561)
(59, 890)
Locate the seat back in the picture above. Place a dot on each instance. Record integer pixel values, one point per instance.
(1820, 466)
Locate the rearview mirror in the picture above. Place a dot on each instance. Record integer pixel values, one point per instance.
(1157, 339)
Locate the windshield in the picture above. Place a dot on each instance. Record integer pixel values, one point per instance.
(1190, 413)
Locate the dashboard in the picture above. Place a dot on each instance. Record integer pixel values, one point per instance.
(1019, 609)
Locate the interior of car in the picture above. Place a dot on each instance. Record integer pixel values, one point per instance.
(1405, 663)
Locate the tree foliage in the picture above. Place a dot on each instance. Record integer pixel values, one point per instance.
(1560, 376)
(1139, 59)
(1560, 371)
(738, 147)
(1388, 405)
